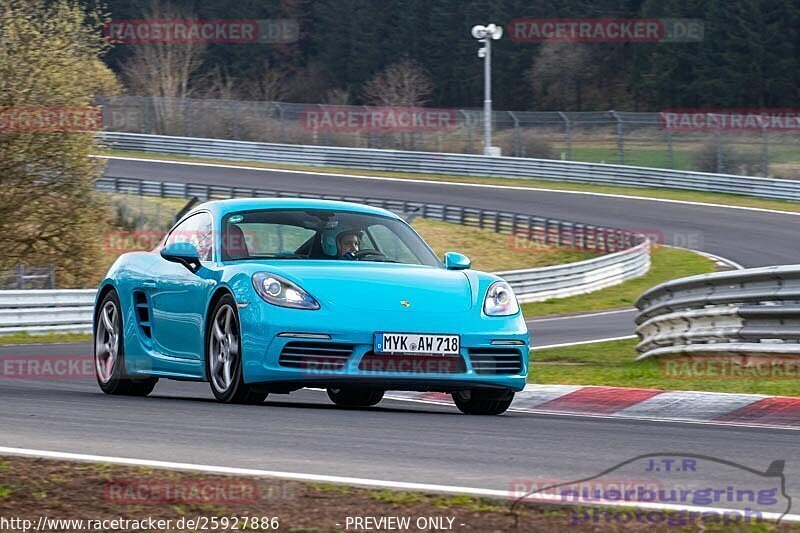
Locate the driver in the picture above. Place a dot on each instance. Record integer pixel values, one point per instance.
(348, 243)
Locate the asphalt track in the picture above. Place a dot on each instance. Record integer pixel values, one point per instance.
(406, 441)
(396, 441)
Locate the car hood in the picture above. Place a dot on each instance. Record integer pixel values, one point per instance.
(380, 286)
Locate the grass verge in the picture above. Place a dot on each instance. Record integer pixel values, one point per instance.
(667, 194)
(63, 490)
(667, 264)
(490, 251)
(43, 338)
(613, 364)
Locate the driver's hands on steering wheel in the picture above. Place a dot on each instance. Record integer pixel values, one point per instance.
(353, 256)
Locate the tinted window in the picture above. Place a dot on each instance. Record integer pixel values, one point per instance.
(196, 230)
(322, 234)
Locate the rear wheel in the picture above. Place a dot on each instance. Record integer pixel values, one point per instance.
(483, 402)
(355, 396)
(224, 356)
(109, 352)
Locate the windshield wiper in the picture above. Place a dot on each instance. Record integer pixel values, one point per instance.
(380, 260)
(276, 256)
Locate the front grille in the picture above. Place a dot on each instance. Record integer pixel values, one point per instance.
(495, 360)
(315, 355)
(415, 364)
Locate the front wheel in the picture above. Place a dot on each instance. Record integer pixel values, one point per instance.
(109, 352)
(355, 397)
(483, 402)
(224, 356)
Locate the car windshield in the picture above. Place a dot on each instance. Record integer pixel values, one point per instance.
(316, 234)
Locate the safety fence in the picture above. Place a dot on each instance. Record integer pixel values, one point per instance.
(625, 138)
(455, 164)
(751, 312)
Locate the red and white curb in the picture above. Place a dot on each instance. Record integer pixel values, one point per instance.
(650, 404)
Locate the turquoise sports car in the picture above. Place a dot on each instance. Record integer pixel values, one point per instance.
(260, 296)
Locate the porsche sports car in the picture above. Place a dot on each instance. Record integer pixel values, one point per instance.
(260, 296)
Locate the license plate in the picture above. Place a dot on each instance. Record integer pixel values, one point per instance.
(417, 343)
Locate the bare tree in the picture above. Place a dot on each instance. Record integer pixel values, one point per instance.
(404, 83)
(269, 87)
(575, 76)
(337, 96)
(164, 70)
(220, 85)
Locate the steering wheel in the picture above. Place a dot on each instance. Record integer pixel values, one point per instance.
(368, 252)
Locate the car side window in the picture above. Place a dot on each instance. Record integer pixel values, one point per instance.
(197, 229)
(390, 244)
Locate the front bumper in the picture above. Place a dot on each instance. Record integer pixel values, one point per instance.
(267, 330)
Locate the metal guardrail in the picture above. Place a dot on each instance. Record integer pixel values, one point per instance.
(456, 164)
(38, 311)
(747, 312)
(627, 254)
(602, 136)
(539, 284)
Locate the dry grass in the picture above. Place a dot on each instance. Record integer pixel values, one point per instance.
(491, 251)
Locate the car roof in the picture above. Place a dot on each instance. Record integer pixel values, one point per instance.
(221, 208)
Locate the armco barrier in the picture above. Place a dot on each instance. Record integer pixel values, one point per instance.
(38, 311)
(751, 312)
(455, 164)
(626, 254)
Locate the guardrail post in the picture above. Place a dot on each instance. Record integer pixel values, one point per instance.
(568, 133)
(469, 130)
(234, 119)
(620, 145)
(517, 139)
(52, 274)
(765, 151)
(719, 150)
(282, 132)
(670, 154)
(20, 277)
(187, 111)
(559, 233)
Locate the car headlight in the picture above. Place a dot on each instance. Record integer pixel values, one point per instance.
(282, 292)
(500, 300)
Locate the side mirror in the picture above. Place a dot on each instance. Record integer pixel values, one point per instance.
(184, 253)
(456, 261)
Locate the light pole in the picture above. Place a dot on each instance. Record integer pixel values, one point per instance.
(487, 34)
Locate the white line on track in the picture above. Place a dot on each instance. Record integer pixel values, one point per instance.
(454, 183)
(584, 315)
(608, 339)
(359, 482)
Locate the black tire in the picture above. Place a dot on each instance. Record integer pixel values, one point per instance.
(235, 390)
(483, 402)
(110, 374)
(355, 396)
